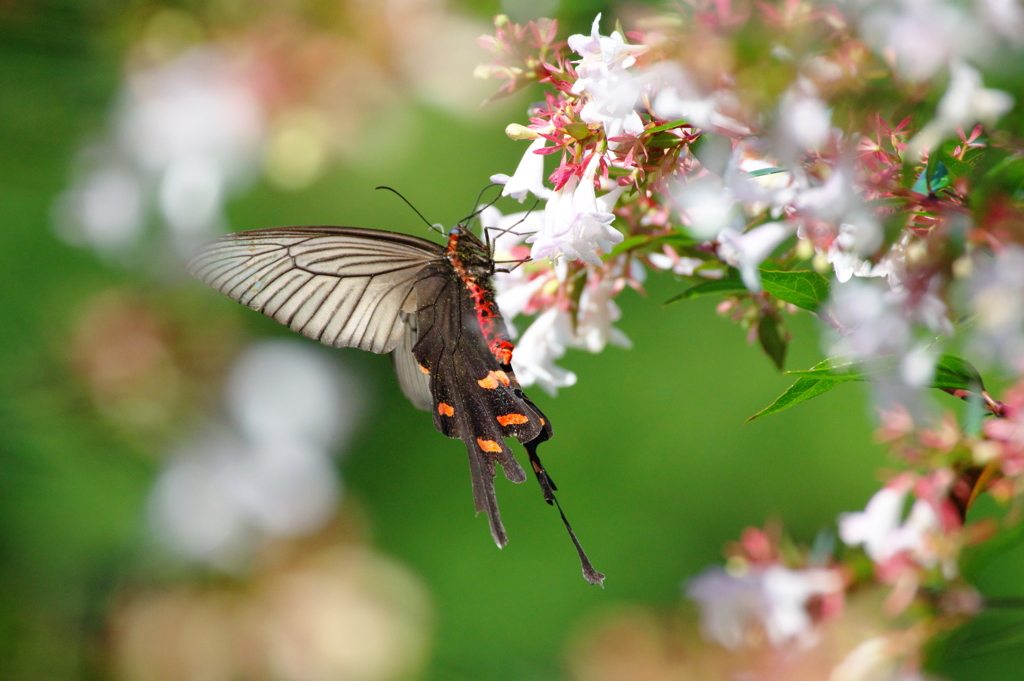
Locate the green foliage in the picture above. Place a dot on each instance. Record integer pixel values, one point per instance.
(951, 373)
(772, 340)
(805, 289)
(727, 285)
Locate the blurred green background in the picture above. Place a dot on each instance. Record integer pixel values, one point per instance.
(657, 470)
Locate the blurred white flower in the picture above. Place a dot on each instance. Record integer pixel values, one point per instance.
(529, 175)
(576, 223)
(191, 131)
(269, 472)
(708, 205)
(602, 75)
(282, 389)
(804, 121)
(880, 527)
(105, 210)
(748, 250)
(678, 264)
(540, 345)
(856, 239)
(773, 599)
(679, 98)
(1004, 17)
(921, 36)
(996, 289)
(966, 102)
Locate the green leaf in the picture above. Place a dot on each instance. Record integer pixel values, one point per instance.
(956, 373)
(664, 140)
(728, 285)
(579, 131)
(932, 179)
(766, 171)
(804, 288)
(634, 242)
(666, 126)
(951, 372)
(772, 340)
(804, 389)
(841, 368)
(713, 152)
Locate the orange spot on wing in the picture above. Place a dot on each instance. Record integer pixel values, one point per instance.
(445, 409)
(511, 419)
(423, 369)
(488, 445)
(543, 422)
(492, 379)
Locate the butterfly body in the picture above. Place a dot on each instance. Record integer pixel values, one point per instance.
(431, 306)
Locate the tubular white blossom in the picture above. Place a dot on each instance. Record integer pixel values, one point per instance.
(602, 75)
(540, 345)
(747, 251)
(529, 175)
(575, 224)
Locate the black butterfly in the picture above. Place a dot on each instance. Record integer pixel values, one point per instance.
(431, 306)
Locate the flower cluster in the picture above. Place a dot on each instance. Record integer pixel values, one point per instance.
(852, 170)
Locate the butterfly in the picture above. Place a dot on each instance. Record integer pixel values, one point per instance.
(431, 306)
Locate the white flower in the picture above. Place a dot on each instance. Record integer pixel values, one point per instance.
(529, 175)
(774, 599)
(597, 313)
(748, 250)
(883, 533)
(708, 205)
(875, 525)
(577, 223)
(680, 98)
(678, 264)
(966, 102)
(854, 240)
(804, 120)
(602, 75)
(269, 471)
(513, 289)
(189, 131)
(919, 36)
(997, 288)
(540, 345)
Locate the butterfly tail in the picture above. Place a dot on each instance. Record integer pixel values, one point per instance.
(547, 486)
(484, 499)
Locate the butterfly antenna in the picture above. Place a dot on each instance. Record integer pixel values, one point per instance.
(477, 208)
(547, 486)
(409, 203)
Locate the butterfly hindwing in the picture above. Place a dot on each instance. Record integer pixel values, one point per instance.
(476, 399)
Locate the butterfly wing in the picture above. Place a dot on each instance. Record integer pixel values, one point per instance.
(476, 399)
(342, 286)
(414, 382)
